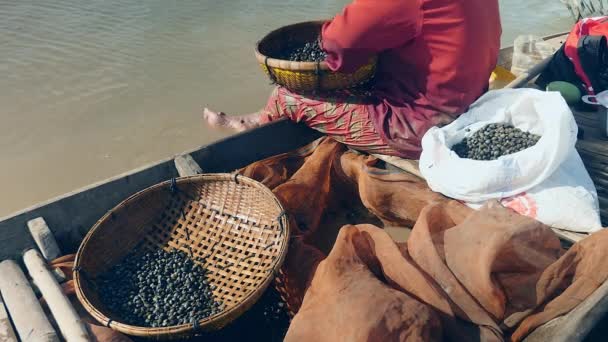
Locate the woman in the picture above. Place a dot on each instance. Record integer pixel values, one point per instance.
(436, 57)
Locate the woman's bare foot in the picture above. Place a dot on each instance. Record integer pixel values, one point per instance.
(235, 123)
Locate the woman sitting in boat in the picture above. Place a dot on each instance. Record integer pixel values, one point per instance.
(435, 59)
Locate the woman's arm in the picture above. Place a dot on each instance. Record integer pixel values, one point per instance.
(367, 27)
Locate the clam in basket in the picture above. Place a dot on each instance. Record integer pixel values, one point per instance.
(235, 224)
(305, 76)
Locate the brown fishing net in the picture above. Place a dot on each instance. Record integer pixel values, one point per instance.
(461, 275)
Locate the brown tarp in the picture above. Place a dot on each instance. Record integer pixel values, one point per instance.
(462, 274)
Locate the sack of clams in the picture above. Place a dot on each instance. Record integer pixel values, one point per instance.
(516, 146)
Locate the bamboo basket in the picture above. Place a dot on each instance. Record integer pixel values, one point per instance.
(305, 76)
(234, 222)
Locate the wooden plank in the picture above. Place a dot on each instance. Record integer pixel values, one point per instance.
(604, 214)
(577, 324)
(597, 164)
(527, 76)
(603, 201)
(568, 235)
(186, 166)
(44, 238)
(7, 334)
(66, 317)
(598, 177)
(23, 306)
(593, 145)
(407, 165)
(557, 40)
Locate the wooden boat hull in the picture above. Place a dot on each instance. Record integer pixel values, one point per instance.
(73, 214)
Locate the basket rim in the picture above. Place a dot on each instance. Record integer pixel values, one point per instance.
(189, 327)
(292, 65)
(286, 64)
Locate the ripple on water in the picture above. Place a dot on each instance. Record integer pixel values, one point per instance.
(126, 79)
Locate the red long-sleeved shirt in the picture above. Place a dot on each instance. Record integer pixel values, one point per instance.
(436, 57)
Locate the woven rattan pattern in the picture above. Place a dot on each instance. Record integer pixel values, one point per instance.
(305, 76)
(237, 229)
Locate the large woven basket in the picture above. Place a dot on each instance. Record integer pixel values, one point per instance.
(305, 76)
(235, 223)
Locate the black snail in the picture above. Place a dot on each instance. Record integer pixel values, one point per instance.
(493, 141)
(158, 289)
(309, 52)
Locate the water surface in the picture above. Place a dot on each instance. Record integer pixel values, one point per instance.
(91, 89)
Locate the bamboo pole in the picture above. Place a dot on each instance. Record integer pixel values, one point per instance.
(44, 238)
(23, 307)
(7, 334)
(187, 166)
(527, 76)
(65, 315)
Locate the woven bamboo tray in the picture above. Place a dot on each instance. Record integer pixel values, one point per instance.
(235, 223)
(305, 76)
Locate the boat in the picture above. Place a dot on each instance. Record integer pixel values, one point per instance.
(71, 215)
